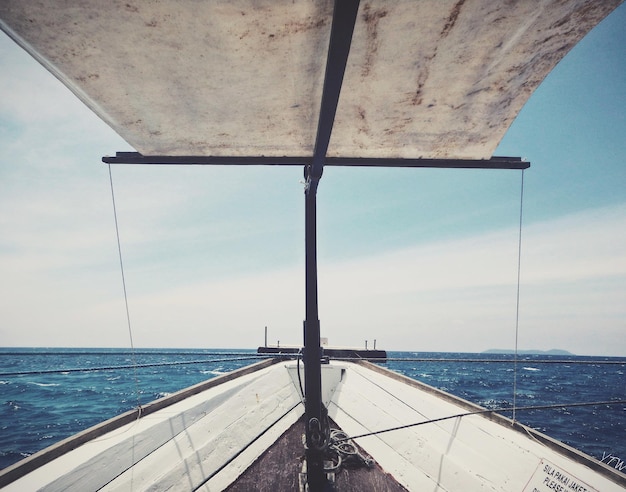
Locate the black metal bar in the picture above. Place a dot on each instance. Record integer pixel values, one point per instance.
(314, 430)
(204, 160)
(200, 160)
(344, 19)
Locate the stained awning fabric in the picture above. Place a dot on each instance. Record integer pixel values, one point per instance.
(424, 79)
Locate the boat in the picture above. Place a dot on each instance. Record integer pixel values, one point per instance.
(310, 84)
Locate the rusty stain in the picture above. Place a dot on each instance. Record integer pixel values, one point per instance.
(417, 98)
(131, 123)
(363, 127)
(294, 27)
(398, 127)
(477, 91)
(561, 22)
(90, 76)
(454, 15)
(371, 18)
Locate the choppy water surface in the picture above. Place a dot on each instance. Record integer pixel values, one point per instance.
(541, 380)
(39, 409)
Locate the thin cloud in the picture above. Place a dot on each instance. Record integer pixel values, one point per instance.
(454, 295)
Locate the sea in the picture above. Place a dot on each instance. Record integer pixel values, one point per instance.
(50, 394)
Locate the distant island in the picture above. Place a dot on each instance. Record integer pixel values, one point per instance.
(529, 352)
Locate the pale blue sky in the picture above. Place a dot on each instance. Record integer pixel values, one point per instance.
(421, 260)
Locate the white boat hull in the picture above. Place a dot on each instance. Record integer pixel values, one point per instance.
(210, 434)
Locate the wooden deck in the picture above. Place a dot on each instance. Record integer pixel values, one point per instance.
(279, 467)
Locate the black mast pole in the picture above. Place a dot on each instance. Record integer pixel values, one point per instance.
(316, 439)
(344, 19)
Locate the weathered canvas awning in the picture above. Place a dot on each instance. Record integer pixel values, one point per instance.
(424, 79)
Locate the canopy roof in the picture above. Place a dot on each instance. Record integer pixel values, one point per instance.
(424, 79)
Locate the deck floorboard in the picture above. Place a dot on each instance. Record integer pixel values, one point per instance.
(278, 468)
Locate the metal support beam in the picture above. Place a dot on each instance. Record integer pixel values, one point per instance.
(208, 160)
(344, 19)
(316, 439)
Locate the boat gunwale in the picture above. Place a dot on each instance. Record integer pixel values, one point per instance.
(578, 456)
(50, 453)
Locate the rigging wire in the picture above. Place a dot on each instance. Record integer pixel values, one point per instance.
(300, 354)
(485, 411)
(608, 361)
(119, 250)
(176, 352)
(133, 366)
(519, 270)
(228, 357)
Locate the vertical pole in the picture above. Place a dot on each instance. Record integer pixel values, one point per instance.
(344, 19)
(315, 437)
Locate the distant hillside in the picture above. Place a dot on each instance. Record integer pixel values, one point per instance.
(529, 352)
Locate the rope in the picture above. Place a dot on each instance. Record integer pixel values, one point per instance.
(493, 410)
(131, 366)
(244, 356)
(175, 352)
(507, 361)
(119, 249)
(519, 270)
(298, 372)
(343, 452)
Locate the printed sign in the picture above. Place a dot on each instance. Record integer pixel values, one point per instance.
(550, 478)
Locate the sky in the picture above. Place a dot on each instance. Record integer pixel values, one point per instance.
(416, 259)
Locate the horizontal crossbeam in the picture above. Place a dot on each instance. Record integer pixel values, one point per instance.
(198, 160)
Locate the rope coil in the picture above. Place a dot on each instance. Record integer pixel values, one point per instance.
(345, 452)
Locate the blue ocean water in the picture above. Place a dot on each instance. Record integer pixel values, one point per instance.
(45, 398)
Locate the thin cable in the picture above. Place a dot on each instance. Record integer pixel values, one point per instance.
(479, 412)
(177, 353)
(254, 357)
(590, 362)
(519, 270)
(119, 250)
(120, 367)
(298, 372)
